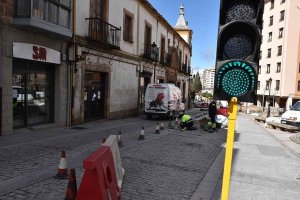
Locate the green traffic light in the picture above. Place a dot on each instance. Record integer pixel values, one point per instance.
(236, 78)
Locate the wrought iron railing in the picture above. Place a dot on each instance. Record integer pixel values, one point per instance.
(151, 52)
(165, 59)
(104, 32)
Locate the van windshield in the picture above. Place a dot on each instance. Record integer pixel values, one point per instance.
(296, 107)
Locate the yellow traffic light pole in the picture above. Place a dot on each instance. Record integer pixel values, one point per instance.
(233, 107)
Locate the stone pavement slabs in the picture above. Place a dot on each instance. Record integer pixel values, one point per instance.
(169, 165)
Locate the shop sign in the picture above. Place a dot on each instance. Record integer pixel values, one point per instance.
(36, 53)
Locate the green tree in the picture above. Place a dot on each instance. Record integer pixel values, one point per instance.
(196, 84)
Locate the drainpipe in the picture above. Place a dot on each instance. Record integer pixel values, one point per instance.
(72, 66)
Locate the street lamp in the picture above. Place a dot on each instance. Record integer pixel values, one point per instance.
(269, 105)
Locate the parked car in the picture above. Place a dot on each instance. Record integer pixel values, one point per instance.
(292, 116)
(203, 106)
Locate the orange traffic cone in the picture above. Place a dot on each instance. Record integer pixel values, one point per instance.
(157, 129)
(72, 186)
(142, 134)
(62, 172)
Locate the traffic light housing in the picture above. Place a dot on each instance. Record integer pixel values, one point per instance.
(239, 35)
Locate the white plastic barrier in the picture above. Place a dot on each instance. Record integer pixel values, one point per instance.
(112, 143)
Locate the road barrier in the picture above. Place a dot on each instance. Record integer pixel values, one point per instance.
(62, 171)
(112, 143)
(99, 181)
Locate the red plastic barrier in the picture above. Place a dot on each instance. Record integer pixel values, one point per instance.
(99, 179)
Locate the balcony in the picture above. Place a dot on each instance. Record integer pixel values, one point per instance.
(44, 16)
(165, 59)
(104, 33)
(151, 52)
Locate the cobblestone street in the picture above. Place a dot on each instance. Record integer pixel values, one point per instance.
(169, 165)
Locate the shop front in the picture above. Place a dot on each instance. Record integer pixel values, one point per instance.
(33, 77)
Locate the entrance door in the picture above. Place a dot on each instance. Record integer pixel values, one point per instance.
(32, 95)
(94, 95)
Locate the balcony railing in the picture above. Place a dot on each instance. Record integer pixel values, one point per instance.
(151, 52)
(166, 59)
(104, 32)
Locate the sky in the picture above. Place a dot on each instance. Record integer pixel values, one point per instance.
(202, 17)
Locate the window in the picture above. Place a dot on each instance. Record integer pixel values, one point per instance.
(282, 1)
(162, 49)
(267, 85)
(271, 21)
(127, 27)
(281, 16)
(54, 11)
(277, 84)
(298, 85)
(98, 9)
(280, 33)
(258, 85)
(268, 68)
(38, 9)
(270, 37)
(272, 4)
(260, 54)
(279, 53)
(278, 69)
(269, 53)
(259, 69)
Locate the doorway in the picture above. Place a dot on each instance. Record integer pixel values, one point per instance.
(94, 95)
(32, 93)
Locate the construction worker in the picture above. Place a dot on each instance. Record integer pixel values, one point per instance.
(212, 111)
(186, 122)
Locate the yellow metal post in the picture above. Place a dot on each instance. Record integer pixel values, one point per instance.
(233, 108)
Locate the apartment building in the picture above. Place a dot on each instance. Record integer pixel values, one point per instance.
(67, 62)
(208, 80)
(279, 65)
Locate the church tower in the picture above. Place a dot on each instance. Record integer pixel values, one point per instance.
(182, 28)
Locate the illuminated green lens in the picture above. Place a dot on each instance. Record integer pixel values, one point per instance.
(236, 82)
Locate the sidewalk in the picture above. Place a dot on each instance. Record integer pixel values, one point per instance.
(265, 165)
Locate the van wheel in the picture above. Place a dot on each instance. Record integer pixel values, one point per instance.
(149, 116)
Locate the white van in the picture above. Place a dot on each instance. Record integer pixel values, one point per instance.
(157, 98)
(292, 116)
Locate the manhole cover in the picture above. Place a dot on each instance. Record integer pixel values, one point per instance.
(78, 128)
